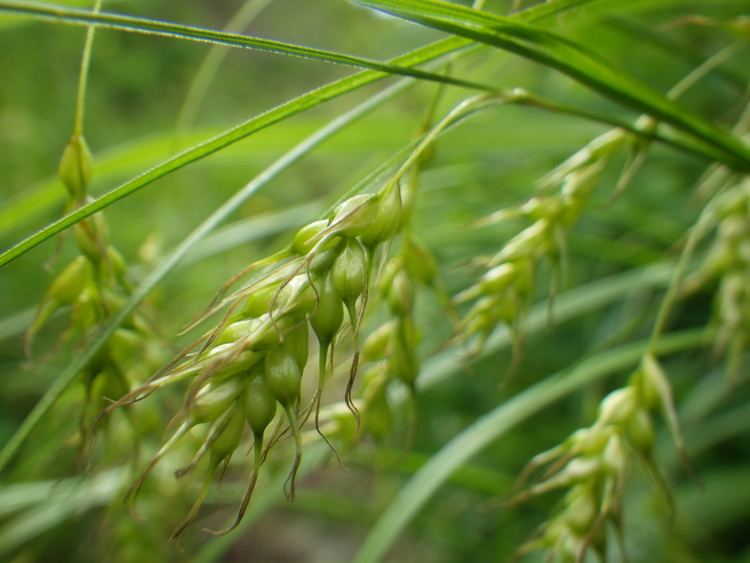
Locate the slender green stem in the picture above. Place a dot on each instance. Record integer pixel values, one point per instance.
(84, 75)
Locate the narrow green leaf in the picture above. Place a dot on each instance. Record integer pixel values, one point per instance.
(210, 64)
(496, 423)
(239, 132)
(146, 26)
(570, 59)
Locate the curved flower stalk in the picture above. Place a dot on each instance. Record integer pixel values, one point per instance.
(251, 366)
(592, 466)
(503, 293)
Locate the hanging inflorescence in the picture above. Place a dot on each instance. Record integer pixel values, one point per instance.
(391, 349)
(252, 364)
(93, 287)
(728, 263)
(592, 465)
(503, 293)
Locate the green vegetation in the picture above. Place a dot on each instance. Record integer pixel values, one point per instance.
(374, 280)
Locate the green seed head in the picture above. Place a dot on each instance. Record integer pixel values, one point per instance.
(581, 509)
(355, 215)
(224, 361)
(614, 456)
(214, 399)
(640, 431)
(401, 294)
(75, 167)
(91, 236)
(377, 416)
(257, 334)
(327, 317)
(618, 406)
(323, 260)
(349, 273)
(296, 341)
(387, 220)
(70, 283)
(260, 405)
(282, 374)
(404, 360)
(230, 437)
(376, 345)
(419, 262)
(259, 301)
(297, 298)
(306, 237)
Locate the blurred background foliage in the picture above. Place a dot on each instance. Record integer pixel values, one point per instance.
(51, 510)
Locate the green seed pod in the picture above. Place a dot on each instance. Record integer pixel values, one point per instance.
(69, 283)
(404, 360)
(419, 262)
(86, 310)
(498, 278)
(533, 241)
(259, 301)
(349, 275)
(618, 406)
(588, 441)
(260, 405)
(577, 470)
(653, 386)
(581, 510)
(401, 294)
(640, 431)
(391, 268)
(223, 361)
(282, 374)
(214, 399)
(234, 332)
(377, 418)
(258, 334)
(305, 238)
(355, 215)
(297, 298)
(376, 345)
(327, 317)
(387, 220)
(296, 341)
(323, 260)
(75, 167)
(68, 288)
(614, 456)
(91, 237)
(230, 437)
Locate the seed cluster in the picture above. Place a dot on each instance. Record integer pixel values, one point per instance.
(502, 294)
(93, 287)
(728, 261)
(592, 465)
(252, 364)
(391, 349)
